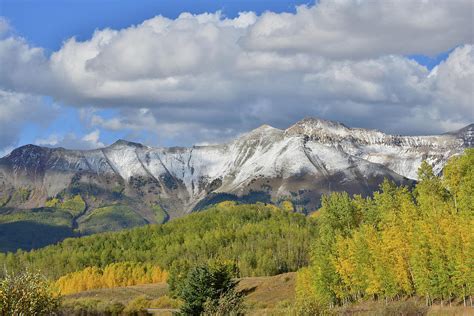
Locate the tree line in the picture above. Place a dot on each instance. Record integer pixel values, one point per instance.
(113, 275)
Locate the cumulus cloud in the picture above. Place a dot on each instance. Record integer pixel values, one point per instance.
(72, 141)
(454, 82)
(366, 28)
(16, 111)
(207, 77)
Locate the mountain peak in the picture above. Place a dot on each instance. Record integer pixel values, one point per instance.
(262, 129)
(312, 125)
(265, 127)
(123, 142)
(316, 122)
(29, 148)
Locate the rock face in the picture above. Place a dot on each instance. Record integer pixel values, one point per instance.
(300, 163)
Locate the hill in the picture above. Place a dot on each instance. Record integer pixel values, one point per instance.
(261, 239)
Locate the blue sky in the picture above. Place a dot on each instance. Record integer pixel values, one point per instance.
(274, 65)
(50, 23)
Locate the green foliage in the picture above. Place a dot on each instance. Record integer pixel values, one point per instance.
(26, 293)
(261, 239)
(88, 306)
(74, 205)
(397, 244)
(110, 218)
(44, 215)
(338, 216)
(287, 206)
(166, 302)
(53, 202)
(459, 180)
(228, 304)
(308, 296)
(210, 285)
(160, 214)
(137, 306)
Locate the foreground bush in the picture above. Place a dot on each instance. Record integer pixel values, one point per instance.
(228, 304)
(27, 293)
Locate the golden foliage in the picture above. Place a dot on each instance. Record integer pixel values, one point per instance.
(397, 244)
(113, 275)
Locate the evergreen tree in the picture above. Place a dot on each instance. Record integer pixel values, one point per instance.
(207, 284)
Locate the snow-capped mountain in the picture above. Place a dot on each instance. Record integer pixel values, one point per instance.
(300, 163)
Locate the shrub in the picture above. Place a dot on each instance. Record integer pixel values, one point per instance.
(137, 306)
(53, 202)
(229, 304)
(27, 293)
(87, 306)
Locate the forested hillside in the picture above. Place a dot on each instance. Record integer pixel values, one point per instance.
(398, 244)
(262, 239)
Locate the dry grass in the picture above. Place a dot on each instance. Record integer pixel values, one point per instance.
(269, 292)
(262, 292)
(122, 294)
(451, 311)
(273, 296)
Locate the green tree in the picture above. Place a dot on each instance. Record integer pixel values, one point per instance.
(459, 180)
(207, 285)
(338, 217)
(431, 195)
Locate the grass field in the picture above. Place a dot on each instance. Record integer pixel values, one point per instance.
(122, 294)
(267, 296)
(260, 292)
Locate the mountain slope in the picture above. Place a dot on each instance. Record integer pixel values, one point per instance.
(300, 163)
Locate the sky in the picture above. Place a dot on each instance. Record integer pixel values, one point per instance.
(83, 73)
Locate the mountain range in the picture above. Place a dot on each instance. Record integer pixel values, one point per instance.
(128, 183)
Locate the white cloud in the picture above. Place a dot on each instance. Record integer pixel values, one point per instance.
(366, 28)
(205, 77)
(454, 83)
(16, 111)
(72, 141)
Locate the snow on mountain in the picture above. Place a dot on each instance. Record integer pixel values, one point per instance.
(304, 161)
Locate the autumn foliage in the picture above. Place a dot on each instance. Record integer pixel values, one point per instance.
(113, 275)
(398, 244)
